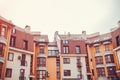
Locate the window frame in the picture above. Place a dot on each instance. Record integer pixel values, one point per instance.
(9, 56)
(65, 49)
(8, 75)
(66, 60)
(67, 72)
(77, 49)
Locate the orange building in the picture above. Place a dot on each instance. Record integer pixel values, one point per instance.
(40, 56)
(101, 57)
(5, 32)
(116, 45)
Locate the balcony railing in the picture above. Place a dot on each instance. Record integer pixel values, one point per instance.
(22, 78)
(79, 65)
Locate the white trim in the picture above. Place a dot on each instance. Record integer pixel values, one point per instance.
(96, 44)
(20, 50)
(106, 42)
(32, 76)
(3, 40)
(117, 48)
(73, 55)
(108, 52)
(41, 68)
(41, 55)
(100, 65)
(2, 59)
(98, 54)
(110, 64)
(117, 71)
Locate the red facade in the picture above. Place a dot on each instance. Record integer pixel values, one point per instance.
(21, 37)
(72, 45)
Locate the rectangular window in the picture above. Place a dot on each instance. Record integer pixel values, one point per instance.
(10, 56)
(111, 71)
(12, 41)
(1, 49)
(99, 60)
(3, 31)
(8, 72)
(67, 73)
(97, 49)
(41, 50)
(25, 44)
(77, 49)
(118, 41)
(66, 49)
(14, 30)
(58, 74)
(66, 60)
(23, 61)
(106, 47)
(101, 71)
(109, 59)
(65, 41)
(41, 62)
(41, 75)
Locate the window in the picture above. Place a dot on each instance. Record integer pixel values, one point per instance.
(66, 60)
(8, 72)
(1, 49)
(99, 60)
(109, 59)
(65, 41)
(66, 49)
(41, 75)
(41, 62)
(41, 50)
(12, 41)
(77, 49)
(3, 31)
(101, 71)
(67, 73)
(111, 71)
(106, 47)
(118, 41)
(58, 74)
(97, 49)
(23, 62)
(13, 30)
(10, 56)
(22, 74)
(25, 44)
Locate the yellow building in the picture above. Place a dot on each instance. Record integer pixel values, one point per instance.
(101, 58)
(5, 32)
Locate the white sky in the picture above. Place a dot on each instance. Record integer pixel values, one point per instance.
(72, 16)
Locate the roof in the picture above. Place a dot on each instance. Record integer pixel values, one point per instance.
(5, 20)
(41, 38)
(99, 38)
(71, 36)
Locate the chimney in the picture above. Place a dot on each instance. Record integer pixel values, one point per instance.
(119, 23)
(84, 36)
(27, 28)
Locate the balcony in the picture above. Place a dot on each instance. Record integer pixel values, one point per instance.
(100, 65)
(108, 53)
(22, 78)
(3, 40)
(41, 55)
(98, 54)
(79, 65)
(110, 64)
(41, 68)
(1, 59)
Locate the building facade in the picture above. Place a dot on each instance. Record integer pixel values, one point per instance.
(72, 51)
(19, 55)
(101, 57)
(5, 33)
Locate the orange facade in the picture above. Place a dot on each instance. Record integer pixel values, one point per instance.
(5, 32)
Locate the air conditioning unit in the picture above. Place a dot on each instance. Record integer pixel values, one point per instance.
(19, 57)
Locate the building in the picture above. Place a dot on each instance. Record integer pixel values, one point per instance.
(101, 57)
(40, 56)
(72, 51)
(21, 50)
(53, 61)
(5, 32)
(116, 45)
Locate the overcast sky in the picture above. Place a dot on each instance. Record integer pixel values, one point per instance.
(72, 16)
